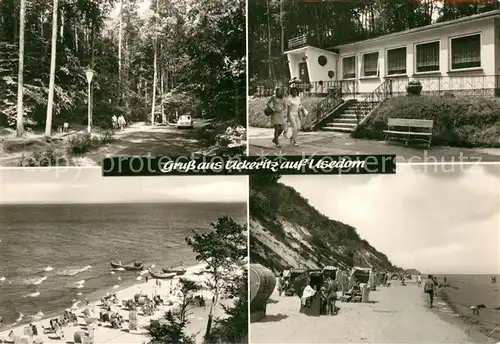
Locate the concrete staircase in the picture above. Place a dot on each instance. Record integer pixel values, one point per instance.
(346, 122)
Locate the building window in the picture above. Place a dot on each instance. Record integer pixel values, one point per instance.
(466, 52)
(349, 67)
(396, 61)
(370, 64)
(427, 57)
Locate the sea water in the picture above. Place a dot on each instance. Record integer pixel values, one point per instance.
(464, 291)
(53, 256)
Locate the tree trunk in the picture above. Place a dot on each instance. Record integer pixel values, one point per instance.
(269, 41)
(50, 102)
(162, 92)
(76, 36)
(126, 77)
(209, 321)
(120, 38)
(61, 33)
(20, 84)
(167, 86)
(155, 67)
(282, 14)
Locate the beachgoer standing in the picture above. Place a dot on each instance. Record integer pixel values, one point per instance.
(419, 280)
(277, 104)
(280, 286)
(429, 287)
(332, 288)
(121, 122)
(445, 279)
(294, 109)
(34, 329)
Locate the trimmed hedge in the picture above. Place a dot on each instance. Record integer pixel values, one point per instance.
(458, 121)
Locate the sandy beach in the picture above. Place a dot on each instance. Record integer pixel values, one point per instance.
(105, 334)
(396, 314)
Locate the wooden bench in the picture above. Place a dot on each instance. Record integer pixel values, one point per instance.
(404, 129)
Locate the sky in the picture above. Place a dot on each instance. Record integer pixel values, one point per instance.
(143, 8)
(85, 185)
(436, 221)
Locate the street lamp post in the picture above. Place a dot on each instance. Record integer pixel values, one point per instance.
(89, 73)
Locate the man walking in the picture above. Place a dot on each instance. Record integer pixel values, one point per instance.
(429, 288)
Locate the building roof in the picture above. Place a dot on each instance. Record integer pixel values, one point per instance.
(429, 27)
(306, 47)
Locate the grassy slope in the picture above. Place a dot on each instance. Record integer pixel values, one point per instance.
(256, 106)
(286, 231)
(458, 121)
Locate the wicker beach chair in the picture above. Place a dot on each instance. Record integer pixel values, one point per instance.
(25, 340)
(132, 315)
(91, 330)
(78, 336)
(28, 331)
(132, 325)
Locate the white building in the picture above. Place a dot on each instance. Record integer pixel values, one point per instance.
(460, 55)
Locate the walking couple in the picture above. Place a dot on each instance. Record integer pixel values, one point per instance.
(283, 110)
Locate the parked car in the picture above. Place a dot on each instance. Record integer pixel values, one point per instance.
(185, 121)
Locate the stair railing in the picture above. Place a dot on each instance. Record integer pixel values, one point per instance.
(381, 93)
(324, 107)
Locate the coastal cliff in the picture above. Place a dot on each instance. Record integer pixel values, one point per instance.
(286, 231)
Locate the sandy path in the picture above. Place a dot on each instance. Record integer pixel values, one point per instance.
(395, 314)
(137, 139)
(328, 143)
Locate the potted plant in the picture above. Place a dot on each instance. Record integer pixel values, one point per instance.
(414, 88)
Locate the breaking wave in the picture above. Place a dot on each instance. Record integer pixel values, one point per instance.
(73, 272)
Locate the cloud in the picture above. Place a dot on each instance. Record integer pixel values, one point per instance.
(441, 251)
(416, 216)
(88, 186)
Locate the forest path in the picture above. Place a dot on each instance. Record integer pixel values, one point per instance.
(141, 139)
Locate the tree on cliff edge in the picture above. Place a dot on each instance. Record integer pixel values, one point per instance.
(224, 250)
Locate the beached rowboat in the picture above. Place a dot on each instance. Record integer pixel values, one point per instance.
(137, 266)
(178, 272)
(162, 276)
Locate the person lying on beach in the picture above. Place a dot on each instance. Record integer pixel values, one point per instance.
(10, 338)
